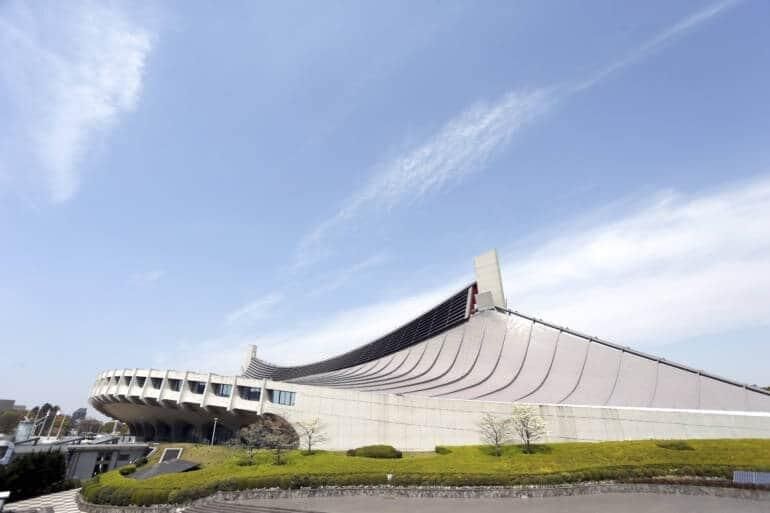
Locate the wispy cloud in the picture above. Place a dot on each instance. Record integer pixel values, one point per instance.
(458, 149)
(248, 314)
(147, 277)
(307, 340)
(71, 70)
(658, 42)
(678, 267)
(466, 142)
(341, 277)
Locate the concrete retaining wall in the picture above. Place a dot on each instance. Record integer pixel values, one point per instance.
(447, 492)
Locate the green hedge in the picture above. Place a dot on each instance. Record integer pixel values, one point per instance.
(376, 451)
(96, 493)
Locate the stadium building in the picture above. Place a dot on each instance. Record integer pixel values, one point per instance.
(428, 383)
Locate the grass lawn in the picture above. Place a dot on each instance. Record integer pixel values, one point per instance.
(220, 469)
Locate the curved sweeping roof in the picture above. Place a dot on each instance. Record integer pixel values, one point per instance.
(449, 313)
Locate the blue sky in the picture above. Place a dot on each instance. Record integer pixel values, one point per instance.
(180, 180)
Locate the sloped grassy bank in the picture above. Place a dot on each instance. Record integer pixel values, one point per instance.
(224, 469)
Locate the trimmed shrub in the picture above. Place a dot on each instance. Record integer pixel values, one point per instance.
(141, 461)
(127, 470)
(440, 449)
(376, 451)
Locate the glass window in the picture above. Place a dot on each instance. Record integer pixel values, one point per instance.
(196, 387)
(222, 389)
(283, 397)
(249, 393)
(175, 384)
(127, 380)
(140, 381)
(156, 382)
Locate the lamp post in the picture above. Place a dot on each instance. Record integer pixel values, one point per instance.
(214, 430)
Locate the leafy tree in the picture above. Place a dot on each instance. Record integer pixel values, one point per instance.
(269, 432)
(312, 432)
(9, 420)
(34, 474)
(89, 425)
(496, 431)
(528, 425)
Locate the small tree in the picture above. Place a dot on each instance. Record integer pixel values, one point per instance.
(496, 431)
(312, 433)
(528, 425)
(252, 437)
(269, 432)
(279, 442)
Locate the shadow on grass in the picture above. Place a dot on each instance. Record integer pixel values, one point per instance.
(514, 450)
(675, 445)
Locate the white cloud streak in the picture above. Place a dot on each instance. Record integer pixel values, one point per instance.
(659, 41)
(466, 142)
(72, 69)
(458, 149)
(147, 277)
(248, 314)
(680, 267)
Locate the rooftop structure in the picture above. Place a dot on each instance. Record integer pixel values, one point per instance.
(427, 382)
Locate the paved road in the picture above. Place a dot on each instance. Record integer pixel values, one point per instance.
(610, 503)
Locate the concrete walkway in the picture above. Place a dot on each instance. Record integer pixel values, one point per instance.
(61, 502)
(610, 503)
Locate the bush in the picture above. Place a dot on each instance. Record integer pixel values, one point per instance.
(127, 470)
(141, 461)
(675, 445)
(34, 474)
(440, 449)
(375, 451)
(244, 461)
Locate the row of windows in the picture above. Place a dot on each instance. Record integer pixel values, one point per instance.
(219, 389)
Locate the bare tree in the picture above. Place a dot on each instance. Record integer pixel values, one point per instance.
(496, 431)
(312, 433)
(528, 425)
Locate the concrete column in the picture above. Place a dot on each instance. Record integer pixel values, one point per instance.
(263, 396)
(206, 390)
(162, 385)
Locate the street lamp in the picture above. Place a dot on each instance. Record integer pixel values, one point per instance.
(214, 430)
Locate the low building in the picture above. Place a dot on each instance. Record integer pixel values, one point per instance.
(85, 460)
(428, 383)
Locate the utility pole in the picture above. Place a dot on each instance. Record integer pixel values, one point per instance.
(214, 430)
